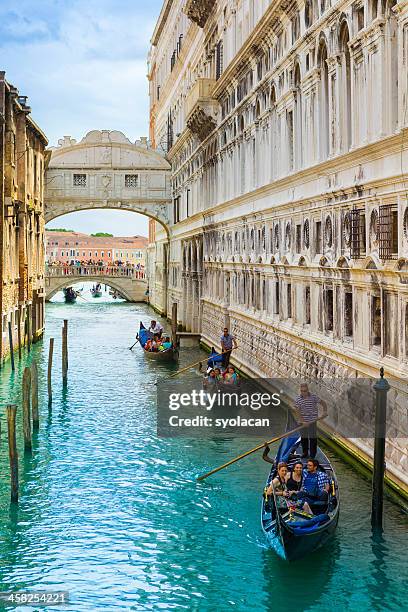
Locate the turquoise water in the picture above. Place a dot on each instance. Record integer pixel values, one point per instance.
(114, 515)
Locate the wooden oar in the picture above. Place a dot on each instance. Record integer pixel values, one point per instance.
(197, 362)
(137, 340)
(259, 447)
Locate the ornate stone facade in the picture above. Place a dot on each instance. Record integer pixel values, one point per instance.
(22, 165)
(298, 193)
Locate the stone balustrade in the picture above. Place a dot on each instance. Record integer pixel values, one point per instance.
(61, 271)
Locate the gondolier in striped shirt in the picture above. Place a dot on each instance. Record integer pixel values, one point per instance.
(228, 343)
(307, 410)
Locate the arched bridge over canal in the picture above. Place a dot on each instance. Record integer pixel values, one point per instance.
(127, 280)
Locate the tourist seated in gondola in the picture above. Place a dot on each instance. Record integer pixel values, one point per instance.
(294, 479)
(165, 345)
(230, 376)
(210, 380)
(152, 344)
(285, 497)
(278, 485)
(218, 375)
(316, 485)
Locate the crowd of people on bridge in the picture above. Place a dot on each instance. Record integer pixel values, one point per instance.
(91, 266)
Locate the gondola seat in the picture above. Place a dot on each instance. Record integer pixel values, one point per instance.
(302, 527)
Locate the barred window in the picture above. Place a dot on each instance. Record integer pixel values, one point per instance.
(131, 180)
(79, 180)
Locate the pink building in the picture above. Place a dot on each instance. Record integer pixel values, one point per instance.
(67, 247)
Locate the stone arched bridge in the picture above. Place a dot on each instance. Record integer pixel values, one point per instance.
(128, 281)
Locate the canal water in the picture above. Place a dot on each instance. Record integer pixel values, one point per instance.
(114, 515)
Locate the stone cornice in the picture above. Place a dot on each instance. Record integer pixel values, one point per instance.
(376, 150)
(161, 22)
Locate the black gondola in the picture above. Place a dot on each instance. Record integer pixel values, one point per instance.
(294, 534)
(70, 295)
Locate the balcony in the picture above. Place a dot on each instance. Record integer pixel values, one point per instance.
(199, 10)
(201, 108)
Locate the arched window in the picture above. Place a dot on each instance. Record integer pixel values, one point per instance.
(323, 102)
(345, 134)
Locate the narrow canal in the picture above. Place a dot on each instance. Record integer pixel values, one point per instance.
(113, 514)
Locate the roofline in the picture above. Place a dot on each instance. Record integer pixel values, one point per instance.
(161, 22)
(25, 109)
(37, 129)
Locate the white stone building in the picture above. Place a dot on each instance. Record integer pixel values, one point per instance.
(286, 127)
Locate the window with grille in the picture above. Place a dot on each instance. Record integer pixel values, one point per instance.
(318, 238)
(219, 67)
(131, 180)
(79, 180)
(358, 233)
(307, 306)
(388, 231)
(169, 132)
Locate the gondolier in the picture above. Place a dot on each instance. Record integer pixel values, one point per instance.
(227, 344)
(307, 409)
(156, 328)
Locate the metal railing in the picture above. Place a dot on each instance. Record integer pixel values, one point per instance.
(60, 271)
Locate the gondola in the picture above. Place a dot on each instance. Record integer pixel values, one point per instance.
(70, 295)
(96, 291)
(144, 335)
(294, 534)
(215, 359)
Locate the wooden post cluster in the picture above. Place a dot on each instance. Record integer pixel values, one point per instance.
(49, 374)
(13, 455)
(26, 409)
(65, 352)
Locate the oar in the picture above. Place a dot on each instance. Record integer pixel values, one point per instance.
(196, 363)
(137, 340)
(257, 448)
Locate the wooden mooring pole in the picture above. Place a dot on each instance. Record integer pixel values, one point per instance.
(11, 347)
(34, 396)
(19, 331)
(65, 352)
(381, 389)
(13, 455)
(26, 409)
(28, 321)
(174, 324)
(49, 373)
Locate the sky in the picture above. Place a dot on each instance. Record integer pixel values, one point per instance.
(82, 64)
